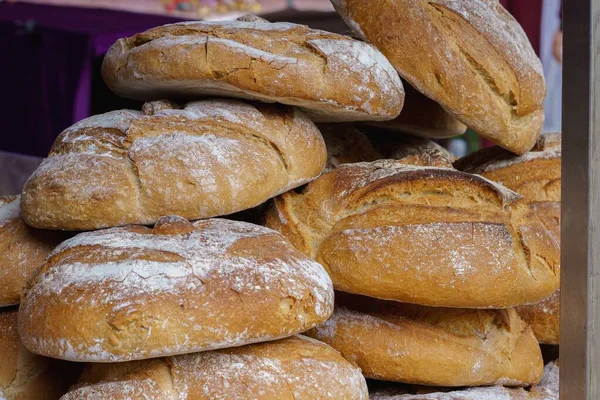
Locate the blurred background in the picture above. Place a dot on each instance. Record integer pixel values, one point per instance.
(51, 52)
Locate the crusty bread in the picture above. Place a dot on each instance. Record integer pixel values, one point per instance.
(211, 158)
(471, 56)
(346, 145)
(26, 376)
(296, 368)
(22, 249)
(547, 389)
(537, 177)
(134, 293)
(423, 117)
(423, 235)
(331, 77)
(412, 150)
(420, 345)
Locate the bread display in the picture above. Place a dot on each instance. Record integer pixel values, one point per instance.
(412, 150)
(537, 176)
(131, 167)
(422, 117)
(26, 376)
(433, 346)
(547, 389)
(135, 292)
(295, 368)
(331, 77)
(346, 145)
(470, 56)
(22, 250)
(423, 235)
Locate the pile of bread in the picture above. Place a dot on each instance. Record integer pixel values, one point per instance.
(130, 287)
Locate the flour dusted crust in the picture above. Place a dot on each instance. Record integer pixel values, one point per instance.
(471, 56)
(22, 250)
(209, 158)
(134, 293)
(423, 235)
(294, 368)
(419, 345)
(345, 145)
(331, 77)
(547, 389)
(411, 149)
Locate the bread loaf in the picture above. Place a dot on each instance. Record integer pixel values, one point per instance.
(211, 158)
(26, 376)
(297, 368)
(345, 145)
(423, 235)
(547, 389)
(412, 150)
(471, 56)
(536, 176)
(433, 346)
(423, 117)
(331, 77)
(22, 249)
(134, 293)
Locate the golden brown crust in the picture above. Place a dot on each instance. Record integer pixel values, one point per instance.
(134, 293)
(412, 150)
(544, 319)
(433, 346)
(346, 145)
(127, 167)
(380, 228)
(479, 64)
(293, 368)
(329, 76)
(22, 249)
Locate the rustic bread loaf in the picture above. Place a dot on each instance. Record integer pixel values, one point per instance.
(470, 56)
(547, 389)
(294, 368)
(345, 145)
(423, 117)
(537, 177)
(26, 376)
(331, 77)
(393, 341)
(423, 235)
(211, 158)
(22, 249)
(134, 293)
(412, 150)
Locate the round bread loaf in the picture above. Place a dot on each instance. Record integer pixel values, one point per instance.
(331, 77)
(423, 235)
(134, 293)
(26, 376)
(537, 177)
(478, 63)
(296, 368)
(419, 345)
(22, 249)
(547, 389)
(345, 145)
(423, 117)
(211, 158)
(412, 150)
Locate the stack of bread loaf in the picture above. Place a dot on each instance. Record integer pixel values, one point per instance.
(119, 262)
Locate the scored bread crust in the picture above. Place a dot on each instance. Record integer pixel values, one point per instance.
(423, 235)
(293, 368)
(331, 77)
(420, 345)
(479, 64)
(537, 177)
(22, 250)
(134, 293)
(210, 158)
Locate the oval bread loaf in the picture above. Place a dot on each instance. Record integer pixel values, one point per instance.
(423, 235)
(331, 77)
(134, 293)
(22, 249)
(433, 346)
(471, 56)
(345, 145)
(210, 158)
(411, 149)
(296, 368)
